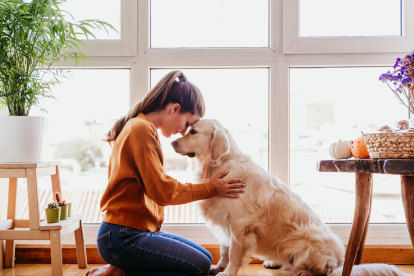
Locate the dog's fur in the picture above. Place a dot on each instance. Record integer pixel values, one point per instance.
(268, 221)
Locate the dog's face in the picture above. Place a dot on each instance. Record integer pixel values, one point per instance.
(205, 138)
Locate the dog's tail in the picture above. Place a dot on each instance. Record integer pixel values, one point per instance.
(371, 270)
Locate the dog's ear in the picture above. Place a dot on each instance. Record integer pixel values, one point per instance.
(220, 144)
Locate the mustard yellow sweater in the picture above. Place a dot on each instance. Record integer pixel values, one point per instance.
(138, 188)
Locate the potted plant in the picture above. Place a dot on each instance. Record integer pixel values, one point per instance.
(52, 212)
(63, 206)
(33, 36)
(401, 82)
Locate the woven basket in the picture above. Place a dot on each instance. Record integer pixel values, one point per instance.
(390, 144)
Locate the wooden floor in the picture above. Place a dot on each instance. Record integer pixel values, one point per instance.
(73, 270)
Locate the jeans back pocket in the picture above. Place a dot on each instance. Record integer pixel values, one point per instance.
(105, 249)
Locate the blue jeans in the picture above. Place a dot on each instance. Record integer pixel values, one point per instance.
(151, 253)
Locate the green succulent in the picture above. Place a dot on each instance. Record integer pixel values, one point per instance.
(52, 205)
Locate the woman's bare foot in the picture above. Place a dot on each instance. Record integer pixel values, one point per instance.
(107, 270)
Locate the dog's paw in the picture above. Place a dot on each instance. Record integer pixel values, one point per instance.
(215, 269)
(302, 273)
(270, 264)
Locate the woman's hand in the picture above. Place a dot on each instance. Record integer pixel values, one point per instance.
(227, 187)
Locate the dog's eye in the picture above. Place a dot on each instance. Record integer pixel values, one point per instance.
(193, 131)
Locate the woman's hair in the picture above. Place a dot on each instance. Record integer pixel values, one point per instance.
(166, 91)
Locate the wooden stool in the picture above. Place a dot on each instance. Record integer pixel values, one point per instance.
(39, 230)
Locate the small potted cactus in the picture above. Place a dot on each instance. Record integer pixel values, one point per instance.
(52, 212)
(63, 206)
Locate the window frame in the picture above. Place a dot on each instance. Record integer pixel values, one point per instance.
(126, 45)
(294, 44)
(279, 59)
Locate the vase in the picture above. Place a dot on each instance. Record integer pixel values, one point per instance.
(53, 215)
(411, 120)
(64, 212)
(21, 139)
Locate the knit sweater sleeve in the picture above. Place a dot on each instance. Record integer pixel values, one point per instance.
(162, 189)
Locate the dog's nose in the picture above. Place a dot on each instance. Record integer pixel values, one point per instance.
(174, 143)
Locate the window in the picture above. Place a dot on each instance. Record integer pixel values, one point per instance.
(228, 100)
(88, 104)
(347, 101)
(365, 26)
(209, 23)
(350, 18)
(107, 10)
(285, 71)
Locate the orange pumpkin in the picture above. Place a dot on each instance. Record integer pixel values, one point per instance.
(359, 149)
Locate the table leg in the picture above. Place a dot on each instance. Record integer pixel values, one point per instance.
(363, 199)
(361, 247)
(80, 247)
(56, 252)
(11, 214)
(407, 194)
(33, 199)
(1, 255)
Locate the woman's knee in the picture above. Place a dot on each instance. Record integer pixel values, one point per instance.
(203, 263)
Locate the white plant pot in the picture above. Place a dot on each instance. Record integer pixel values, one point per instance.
(21, 138)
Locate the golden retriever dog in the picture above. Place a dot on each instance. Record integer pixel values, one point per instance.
(268, 221)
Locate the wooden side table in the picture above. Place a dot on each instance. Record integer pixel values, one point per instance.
(364, 170)
(38, 230)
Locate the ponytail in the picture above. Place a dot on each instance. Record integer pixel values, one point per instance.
(166, 91)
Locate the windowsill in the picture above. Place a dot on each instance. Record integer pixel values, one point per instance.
(378, 234)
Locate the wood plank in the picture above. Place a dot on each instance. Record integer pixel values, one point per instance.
(28, 165)
(69, 229)
(56, 182)
(14, 173)
(40, 253)
(357, 165)
(56, 252)
(21, 223)
(46, 171)
(61, 224)
(73, 270)
(383, 166)
(1, 255)
(9, 252)
(399, 166)
(363, 199)
(34, 216)
(80, 247)
(24, 235)
(6, 224)
(12, 199)
(407, 194)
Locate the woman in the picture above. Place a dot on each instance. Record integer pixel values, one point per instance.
(129, 239)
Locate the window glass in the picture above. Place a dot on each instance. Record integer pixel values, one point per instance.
(106, 10)
(238, 99)
(209, 23)
(350, 18)
(89, 102)
(332, 104)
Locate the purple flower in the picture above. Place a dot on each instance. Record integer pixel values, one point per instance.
(406, 80)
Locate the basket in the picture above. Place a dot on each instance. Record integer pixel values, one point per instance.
(390, 144)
